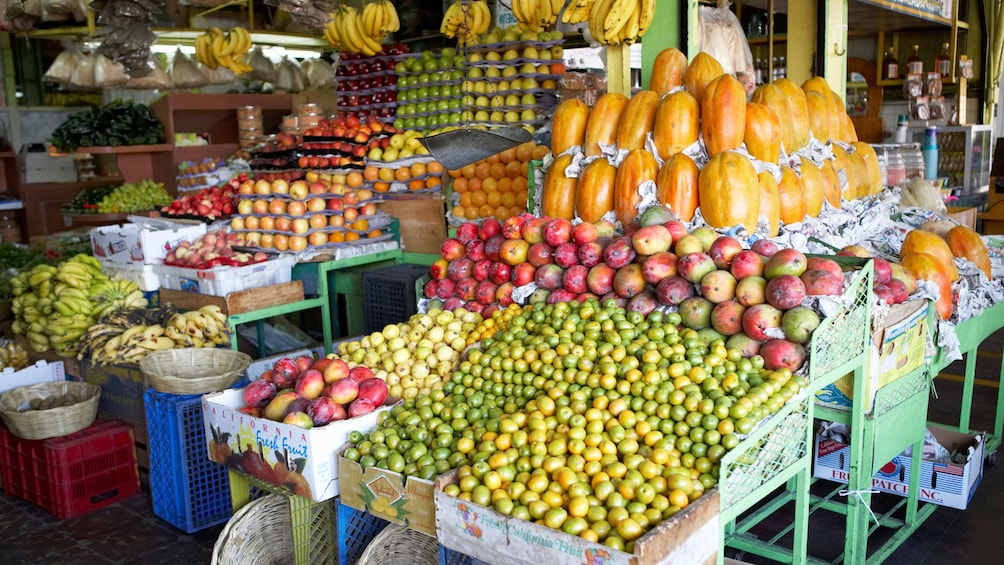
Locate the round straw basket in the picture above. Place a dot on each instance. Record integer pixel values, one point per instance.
(54, 422)
(260, 533)
(193, 370)
(400, 545)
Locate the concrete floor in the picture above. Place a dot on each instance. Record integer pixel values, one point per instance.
(128, 532)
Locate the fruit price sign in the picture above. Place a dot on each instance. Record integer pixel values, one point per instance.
(301, 460)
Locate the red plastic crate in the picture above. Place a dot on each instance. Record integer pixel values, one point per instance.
(75, 474)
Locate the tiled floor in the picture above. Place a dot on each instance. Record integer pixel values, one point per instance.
(128, 532)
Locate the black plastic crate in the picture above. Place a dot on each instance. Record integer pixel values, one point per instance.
(389, 295)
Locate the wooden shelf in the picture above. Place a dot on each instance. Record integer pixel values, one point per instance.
(126, 149)
(887, 15)
(766, 40)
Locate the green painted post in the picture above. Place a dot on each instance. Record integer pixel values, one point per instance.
(665, 32)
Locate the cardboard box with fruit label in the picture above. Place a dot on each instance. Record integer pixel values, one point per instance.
(301, 460)
(692, 536)
(40, 372)
(129, 243)
(945, 484)
(388, 495)
(897, 348)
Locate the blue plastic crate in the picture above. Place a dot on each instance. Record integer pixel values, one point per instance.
(448, 556)
(189, 490)
(355, 531)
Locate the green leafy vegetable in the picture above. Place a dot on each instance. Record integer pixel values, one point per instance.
(115, 124)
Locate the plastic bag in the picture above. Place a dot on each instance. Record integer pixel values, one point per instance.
(61, 10)
(61, 71)
(221, 75)
(723, 38)
(289, 76)
(319, 73)
(107, 73)
(185, 73)
(158, 79)
(83, 74)
(920, 193)
(262, 68)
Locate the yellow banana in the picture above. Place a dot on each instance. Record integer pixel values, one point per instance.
(646, 11)
(597, 14)
(619, 13)
(392, 23)
(157, 343)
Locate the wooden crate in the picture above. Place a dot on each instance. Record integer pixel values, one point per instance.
(238, 302)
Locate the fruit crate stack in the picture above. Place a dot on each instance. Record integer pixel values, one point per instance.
(75, 474)
(189, 490)
(430, 90)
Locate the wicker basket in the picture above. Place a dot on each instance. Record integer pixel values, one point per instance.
(54, 422)
(194, 370)
(260, 533)
(400, 545)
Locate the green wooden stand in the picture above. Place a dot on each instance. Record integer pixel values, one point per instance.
(839, 346)
(971, 334)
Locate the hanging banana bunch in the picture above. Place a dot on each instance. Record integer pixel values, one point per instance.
(362, 32)
(577, 12)
(617, 22)
(216, 48)
(466, 20)
(536, 15)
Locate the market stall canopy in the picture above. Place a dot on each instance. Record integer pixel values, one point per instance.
(460, 147)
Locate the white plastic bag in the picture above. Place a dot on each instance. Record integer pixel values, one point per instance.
(185, 73)
(61, 71)
(723, 38)
(108, 73)
(262, 68)
(319, 73)
(83, 73)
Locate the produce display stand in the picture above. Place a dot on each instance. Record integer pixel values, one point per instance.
(971, 334)
(779, 451)
(139, 162)
(325, 281)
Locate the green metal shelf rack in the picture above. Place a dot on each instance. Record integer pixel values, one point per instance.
(971, 334)
(779, 451)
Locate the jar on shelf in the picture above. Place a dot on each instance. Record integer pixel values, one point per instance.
(249, 117)
(10, 230)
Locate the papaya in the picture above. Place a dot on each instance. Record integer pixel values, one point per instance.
(668, 70)
(968, 244)
(859, 170)
(920, 241)
(928, 267)
(638, 166)
(676, 186)
(701, 71)
(831, 184)
(569, 126)
(841, 164)
(723, 115)
(772, 96)
(838, 116)
(603, 121)
(813, 188)
(819, 115)
(798, 113)
(637, 120)
(594, 194)
(770, 202)
(729, 191)
(848, 134)
(558, 197)
(871, 163)
(763, 132)
(676, 123)
(790, 196)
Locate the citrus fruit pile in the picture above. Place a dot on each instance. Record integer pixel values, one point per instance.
(584, 417)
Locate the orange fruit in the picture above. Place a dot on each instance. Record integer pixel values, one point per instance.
(505, 184)
(416, 184)
(434, 167)
(540, 152)
(351, 236)
(474, 184)
(385, 174)
(402, 174)
(483, 170)
(524, 169)
(455, 173)
(498, 170)
(469, 171)
(513, 169)
(486, 211)
(479, 198)
(371, 173)
(336, 237)
(374, 233)
(493, 159)
(433, 182)
(507, 156)
(519, 184)
(490, 185)
(458, 211)
(471, 212)
(508, 199)
(501, 213)
(465, 199)
(493, 198)
(354, 179)
(381, 186)
(361, 224)
(524, 152)
(418, 169)
(460, 185)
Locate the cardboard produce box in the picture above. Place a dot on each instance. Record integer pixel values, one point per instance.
(897, 348)
(238, 302)
(122, 388)
(945, 484)
(129, 243)
(423, 221)
(692, 536)
(255, 445)
(402, 500)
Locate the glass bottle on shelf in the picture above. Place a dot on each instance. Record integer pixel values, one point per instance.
(890, 66)
(782, 70)
(915, 64)
(943, 62)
